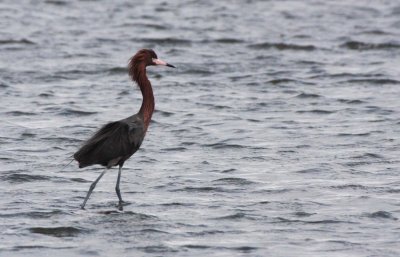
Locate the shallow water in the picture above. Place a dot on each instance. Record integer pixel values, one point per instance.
(278, 134)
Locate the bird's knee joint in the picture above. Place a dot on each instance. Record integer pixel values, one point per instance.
(92, 186)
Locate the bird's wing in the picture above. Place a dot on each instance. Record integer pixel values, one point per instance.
(115, 141)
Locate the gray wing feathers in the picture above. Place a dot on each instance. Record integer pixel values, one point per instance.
(115, 142)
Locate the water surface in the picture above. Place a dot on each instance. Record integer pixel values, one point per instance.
(277, 135)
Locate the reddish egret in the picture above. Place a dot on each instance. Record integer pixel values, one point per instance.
(115, 142)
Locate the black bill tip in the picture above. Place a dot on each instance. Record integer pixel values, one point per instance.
(170, 65)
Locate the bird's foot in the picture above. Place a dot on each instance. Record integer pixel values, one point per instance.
(120, 206)
(82, 206)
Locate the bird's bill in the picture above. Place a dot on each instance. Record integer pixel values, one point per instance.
(161, 62)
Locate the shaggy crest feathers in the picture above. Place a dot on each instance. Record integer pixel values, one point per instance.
(139, 62)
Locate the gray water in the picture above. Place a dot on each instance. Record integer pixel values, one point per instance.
(277, 135)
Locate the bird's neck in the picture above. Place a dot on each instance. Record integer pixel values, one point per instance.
(147, 108)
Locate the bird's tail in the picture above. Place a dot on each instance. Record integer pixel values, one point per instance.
(67, 163)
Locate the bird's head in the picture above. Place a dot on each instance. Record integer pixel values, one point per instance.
(142, 59)
(148, 57)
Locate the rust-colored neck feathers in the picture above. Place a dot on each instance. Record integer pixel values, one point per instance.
(137, 72)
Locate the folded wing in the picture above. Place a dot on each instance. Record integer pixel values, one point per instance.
(111, 145)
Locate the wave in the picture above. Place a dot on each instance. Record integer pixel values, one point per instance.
(144, 25)
(357, 45)
(56, 2)
(316, 111)
(74, 112)
(235, 216)
(152, 230)
(160, 249)
(381, 215)
(117, 70)
(312, 170)
(199, 72)
(204, 189)
(224, 146)
(20, 113)
(224, 41)
(283, 46)
(12, 41)
(328, 221)
(279, 81)
(353, 134)
(58, 231)
(375, 32)
(369, 156)
(164, 113)
(174, 149)
(350, 186)
(165, 41)
(374, 81)
(303, 214)
(3, 84)
(308, 95)
(21, 178)
(351, 101)
(34, 214)
(233, 181)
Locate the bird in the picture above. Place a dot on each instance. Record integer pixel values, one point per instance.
(117, 141)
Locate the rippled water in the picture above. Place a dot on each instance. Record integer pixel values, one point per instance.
(278, 134)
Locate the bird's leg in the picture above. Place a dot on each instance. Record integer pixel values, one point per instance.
(92, 186)
(117, 189)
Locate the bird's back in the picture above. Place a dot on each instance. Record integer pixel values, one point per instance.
(113, 143)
